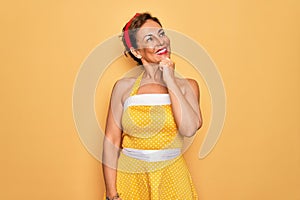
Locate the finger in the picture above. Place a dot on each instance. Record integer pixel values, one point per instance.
(165, 63)
(169, 62)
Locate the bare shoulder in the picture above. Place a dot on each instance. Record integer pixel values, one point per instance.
(123, 84)
(188, 84)
(123, 87)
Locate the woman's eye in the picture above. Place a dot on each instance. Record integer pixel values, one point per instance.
(149, 39)
(162, 34)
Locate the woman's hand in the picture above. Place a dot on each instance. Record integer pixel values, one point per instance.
(167, 66)
(183, 103)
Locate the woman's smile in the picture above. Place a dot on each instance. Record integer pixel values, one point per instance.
(162, 51)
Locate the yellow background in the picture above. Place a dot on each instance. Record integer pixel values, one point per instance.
(255, 44)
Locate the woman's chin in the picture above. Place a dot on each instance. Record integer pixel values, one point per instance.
(164, 56)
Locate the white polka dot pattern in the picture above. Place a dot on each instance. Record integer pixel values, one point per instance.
(152, 127)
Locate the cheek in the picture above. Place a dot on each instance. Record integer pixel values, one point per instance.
(148, 51)
(167, 40)
(149, 55)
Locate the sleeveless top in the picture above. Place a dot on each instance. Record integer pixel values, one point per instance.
(148, 125)
(148, 121)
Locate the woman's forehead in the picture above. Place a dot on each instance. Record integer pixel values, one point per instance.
(149, 26)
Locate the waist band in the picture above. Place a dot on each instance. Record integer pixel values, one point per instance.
(152, 155)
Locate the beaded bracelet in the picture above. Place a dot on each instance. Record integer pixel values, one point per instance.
(114, 197)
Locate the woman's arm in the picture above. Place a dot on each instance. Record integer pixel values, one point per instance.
(185, 102)
(112, 141)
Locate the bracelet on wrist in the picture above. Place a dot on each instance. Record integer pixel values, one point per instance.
(114, 197)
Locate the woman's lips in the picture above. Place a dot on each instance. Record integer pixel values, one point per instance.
(162, 51)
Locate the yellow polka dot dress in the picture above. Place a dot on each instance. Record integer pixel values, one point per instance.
(150, 166)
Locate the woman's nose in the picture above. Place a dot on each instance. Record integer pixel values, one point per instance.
(159, 41)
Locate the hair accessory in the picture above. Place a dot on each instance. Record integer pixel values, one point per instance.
(126, 33)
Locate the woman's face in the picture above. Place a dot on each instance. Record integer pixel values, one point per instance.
(153, 45)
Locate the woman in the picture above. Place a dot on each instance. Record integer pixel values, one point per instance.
(147, 120)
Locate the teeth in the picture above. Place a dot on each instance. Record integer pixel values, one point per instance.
(162, 51)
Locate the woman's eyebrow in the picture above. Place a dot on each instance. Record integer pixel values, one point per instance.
(160, 30)
(150, 34)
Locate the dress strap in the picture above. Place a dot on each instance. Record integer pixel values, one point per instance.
(136, 85)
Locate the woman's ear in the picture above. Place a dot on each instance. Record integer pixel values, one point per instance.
(136, 53)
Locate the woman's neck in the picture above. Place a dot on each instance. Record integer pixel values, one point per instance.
(153, 73)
